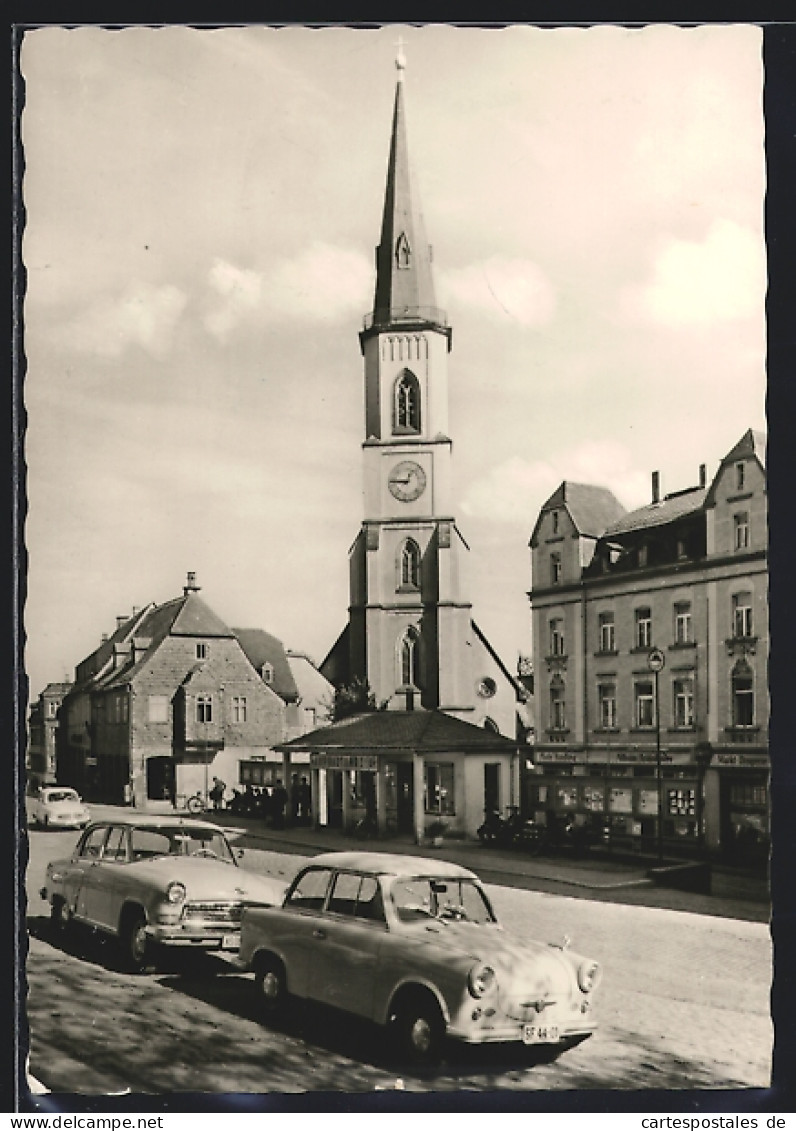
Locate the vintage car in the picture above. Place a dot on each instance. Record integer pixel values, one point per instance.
(414, 945)
(156, 879)
(57, 807)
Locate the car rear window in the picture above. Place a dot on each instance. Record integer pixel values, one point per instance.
(60, 795)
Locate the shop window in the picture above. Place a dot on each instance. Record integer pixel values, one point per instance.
(683, 690)
(439, 795)
(682, 622)
(406, 404)
(607, 632)
(557, 637)
(409, 565)
(742, 614)
(644, 690)
(606, 694)
(643, 628)
(743, 699)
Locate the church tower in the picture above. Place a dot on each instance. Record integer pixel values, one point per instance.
(410, 620)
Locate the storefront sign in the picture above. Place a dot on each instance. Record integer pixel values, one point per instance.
(325, 761)
(554, 756)
(739, 760)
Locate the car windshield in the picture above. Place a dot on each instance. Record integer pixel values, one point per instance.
(147, 842)
(61, 795)
(418, 899)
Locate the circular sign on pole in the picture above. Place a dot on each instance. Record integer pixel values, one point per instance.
(656, 660)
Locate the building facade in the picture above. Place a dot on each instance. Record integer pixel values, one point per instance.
(43, 724)
(650, 633)
(172, 699)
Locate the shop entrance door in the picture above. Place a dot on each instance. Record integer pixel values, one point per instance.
(405, 801)
(334, 779)
(492, 787)
(160, 779)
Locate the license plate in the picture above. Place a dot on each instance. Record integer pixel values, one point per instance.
(539, 1034)
(230, 942)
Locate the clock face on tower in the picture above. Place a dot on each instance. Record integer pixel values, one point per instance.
(407, 481)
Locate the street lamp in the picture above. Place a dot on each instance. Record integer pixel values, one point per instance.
(655, 662)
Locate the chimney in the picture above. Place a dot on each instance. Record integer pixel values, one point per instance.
(104, 638)
(656, 486)
(136, 610)
(703, 475)
(190, 586)
(120, 621)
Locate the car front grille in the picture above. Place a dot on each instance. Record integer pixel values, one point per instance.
(214, 912)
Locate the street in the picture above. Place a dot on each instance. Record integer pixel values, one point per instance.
(684, 1005)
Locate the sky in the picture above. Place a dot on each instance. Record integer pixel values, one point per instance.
(201, 212)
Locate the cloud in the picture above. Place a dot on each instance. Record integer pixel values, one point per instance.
(721, 278)
(515, 490)
(506, 289)
(144, 316)
(323, 283)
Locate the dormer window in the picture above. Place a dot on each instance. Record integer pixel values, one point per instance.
(267, 672)
(403, 253)
(406, 406)
(201, 650)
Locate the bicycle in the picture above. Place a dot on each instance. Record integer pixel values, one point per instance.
(194, 804)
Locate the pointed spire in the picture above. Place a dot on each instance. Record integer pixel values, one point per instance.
(404, 283)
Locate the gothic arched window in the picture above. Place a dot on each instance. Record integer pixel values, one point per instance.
(406, 406)
(403, 252)
(410, 658)
(409, 565)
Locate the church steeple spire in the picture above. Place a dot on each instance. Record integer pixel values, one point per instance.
(404, 283)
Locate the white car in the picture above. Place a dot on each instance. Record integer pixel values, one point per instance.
(166, 880)
(57, 807)
(415, 946)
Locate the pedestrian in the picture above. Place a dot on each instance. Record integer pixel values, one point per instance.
(305, 802)
(217, 793)
(279, 801)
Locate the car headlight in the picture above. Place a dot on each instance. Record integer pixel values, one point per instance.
(589, 974)
(175, 893)
(481, 980)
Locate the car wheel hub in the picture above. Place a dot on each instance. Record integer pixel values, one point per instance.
(420, 1034)
(271, 985)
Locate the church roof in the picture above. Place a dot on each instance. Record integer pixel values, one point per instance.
(591, 508)
(422, 731)
(404, 283)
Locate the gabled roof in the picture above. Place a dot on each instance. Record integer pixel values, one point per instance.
(591, 508)
(752, 445)
(421, 731)
(195, 618)
(659, 514)
(263, 648)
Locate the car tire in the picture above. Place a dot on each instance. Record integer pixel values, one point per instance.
(134, 942)
(270, 980)
(418, 1030)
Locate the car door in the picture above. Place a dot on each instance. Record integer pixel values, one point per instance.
(105, 879)
(90, 870)
(348, 943)
(294, 930)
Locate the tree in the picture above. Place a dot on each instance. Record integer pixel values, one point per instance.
(352, 698)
